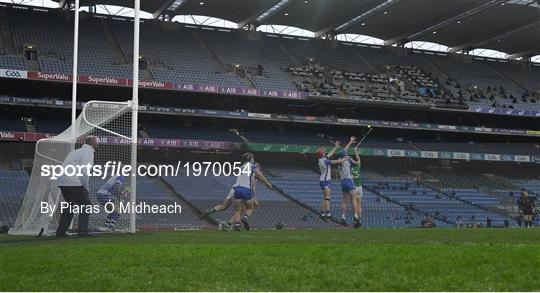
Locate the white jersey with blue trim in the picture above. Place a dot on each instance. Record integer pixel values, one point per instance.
(345, 169)
(107, 188)
(325, 168)
(246, 177)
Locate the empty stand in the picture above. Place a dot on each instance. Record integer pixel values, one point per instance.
(13, 187)
(202, 55)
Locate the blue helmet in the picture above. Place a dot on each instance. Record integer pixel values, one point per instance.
(342, 154)
(121, 178)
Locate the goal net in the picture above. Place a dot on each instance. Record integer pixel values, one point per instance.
(111, 122)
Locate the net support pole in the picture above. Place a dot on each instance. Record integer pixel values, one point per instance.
(75, 70)
(135, 110)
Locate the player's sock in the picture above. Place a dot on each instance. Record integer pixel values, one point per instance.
(356, 216)
(245, 222)
(208, 212)
(343, 221)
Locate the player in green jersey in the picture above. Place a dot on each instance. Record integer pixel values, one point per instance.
(357, 178)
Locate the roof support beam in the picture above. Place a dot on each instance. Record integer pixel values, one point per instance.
(385, 4)
(530, 52)
(250, 19)
(162, 8)
(361, 18)
(411, 36)
(265, 14)
(501, 36)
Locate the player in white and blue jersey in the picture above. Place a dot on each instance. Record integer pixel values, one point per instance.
(111, 192)
(243, 190)
(229, 200)
(325, 168)
(348, 188)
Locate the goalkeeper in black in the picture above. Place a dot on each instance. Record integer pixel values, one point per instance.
(526, 206)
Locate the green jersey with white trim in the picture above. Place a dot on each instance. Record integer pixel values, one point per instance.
(357, 178)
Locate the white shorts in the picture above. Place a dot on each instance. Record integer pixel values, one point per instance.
(359, 190)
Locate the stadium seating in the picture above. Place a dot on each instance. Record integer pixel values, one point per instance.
(473, 196)
(10, 123)
(481, 78)
(54, 42)
(156, 130)
(527, 79)
(514, 148)
(431, 145)
(13, 62)
(234, 49)
(187, 54)
(290, 135)
(11, 194)
(48, 125)
(532, 185)
(285, 137)
(205, 192)
(152, 192)
(392, 197)
(303, 185)
(438, 205)
(173, 53)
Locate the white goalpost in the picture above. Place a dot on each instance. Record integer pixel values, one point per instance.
(135, 106)
(114, 123)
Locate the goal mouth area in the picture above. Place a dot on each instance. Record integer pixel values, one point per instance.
(111, 123)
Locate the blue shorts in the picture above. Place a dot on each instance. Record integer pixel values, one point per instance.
(347, 185)
(104, 198)
(242, 193)
(325, 184)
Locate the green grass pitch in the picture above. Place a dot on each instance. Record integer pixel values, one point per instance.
(302, 260)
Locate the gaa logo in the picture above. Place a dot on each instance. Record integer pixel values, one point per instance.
(445, 155)
(477, 157)
(507, 158)
(378, 152)
(13, 74)
(461, 156)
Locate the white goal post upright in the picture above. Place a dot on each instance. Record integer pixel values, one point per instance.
(75, 72)
(135, 109)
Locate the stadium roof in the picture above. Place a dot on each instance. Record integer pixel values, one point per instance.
(148, 6)
(510, 26)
